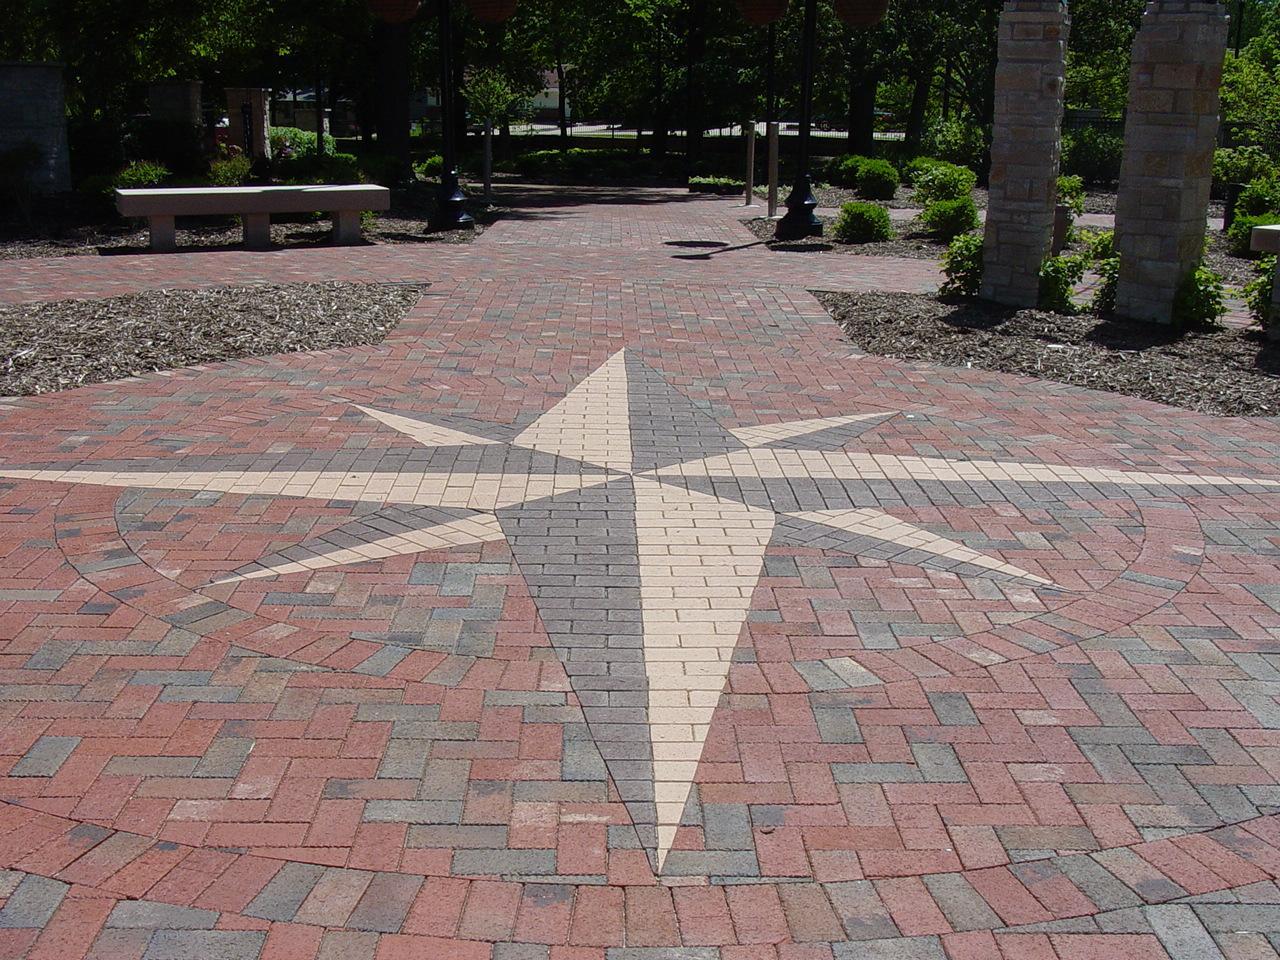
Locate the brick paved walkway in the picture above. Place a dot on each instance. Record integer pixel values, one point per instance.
(615, 609)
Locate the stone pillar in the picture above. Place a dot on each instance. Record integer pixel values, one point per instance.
(177, 101)
(1167, 172)
(259, 119)
(33, 111)
(1026, 148)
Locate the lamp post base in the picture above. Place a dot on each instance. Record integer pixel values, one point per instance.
(800, 221)
(451, 210)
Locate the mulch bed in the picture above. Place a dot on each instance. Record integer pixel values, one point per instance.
(1226, 372)
(70, 343)
(77, 229)
(911, 243)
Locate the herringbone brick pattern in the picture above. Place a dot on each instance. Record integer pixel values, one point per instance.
(218, 741)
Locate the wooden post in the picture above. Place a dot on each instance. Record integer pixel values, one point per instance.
(773, 169)
(749, 128)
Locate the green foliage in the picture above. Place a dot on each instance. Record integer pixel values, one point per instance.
(1240, 236)
(846, 171)
(430, 168)
(918, 167)
(717, 185)
(1242, 165)
(1201, 299)
(957, 141)
(332, 168)
(231, 172)
(492, 97)
(176, 145)
(1100, 245)
(1071, 193)
(863, 223)
(878, 180)
(1092, 154)
(1259, 197)
(945, 181)
(1104, 300)
(1058, 279)
(579, 164)
(381, 169)
(141, 174)
(950, 218)
(289, 142)
(1260, 291)
(962, 265)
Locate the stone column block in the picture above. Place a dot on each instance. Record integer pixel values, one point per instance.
(1025, 149)
(33, 111)
(1166, 174)
(259, 120)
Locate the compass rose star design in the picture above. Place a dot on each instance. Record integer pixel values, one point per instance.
(641, 525)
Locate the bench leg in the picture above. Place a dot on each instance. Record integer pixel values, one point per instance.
(346, 227)
(257, 230)
(164, 235)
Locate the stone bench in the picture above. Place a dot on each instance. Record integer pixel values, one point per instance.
(160, 205)
(1267, 240)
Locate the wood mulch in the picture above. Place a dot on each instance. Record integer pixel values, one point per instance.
(1220, 371)
(69, 343)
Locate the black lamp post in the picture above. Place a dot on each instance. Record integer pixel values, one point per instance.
(801, 221)
(451, 205)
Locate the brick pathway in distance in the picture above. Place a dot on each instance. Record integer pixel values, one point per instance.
(616, 609)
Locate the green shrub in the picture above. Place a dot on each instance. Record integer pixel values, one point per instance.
(863, 223)
(578, 163)
(962, 265)
(950, 218)
(1071, 193)
(717, 182)
(913, 171)
(1099, 244)
(1201, 299)
(1242, 165)
(1240, 236)
(846, 171)
(141, 174)
(1092, 154)
(878, 180)
(1259, 197)
(382, 169)
(945, 181)
(293, 142)
(1104, 300)
(1259, 293)
(231, 172)
(430, 168)
(957, 141)
(336, 168)
(1058, 279)
(174, 144)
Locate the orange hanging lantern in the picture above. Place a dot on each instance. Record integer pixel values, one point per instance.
(395, 11)
(760, 13)
(492, 11)
(862, 13)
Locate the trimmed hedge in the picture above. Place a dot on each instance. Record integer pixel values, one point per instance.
(863, 223)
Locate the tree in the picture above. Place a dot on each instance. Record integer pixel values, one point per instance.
(493, 100)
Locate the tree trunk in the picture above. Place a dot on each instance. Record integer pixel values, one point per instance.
(695, 52)
(562, 102)
(488, 162)
(392, 93)
(919, 106)
(862, 113)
